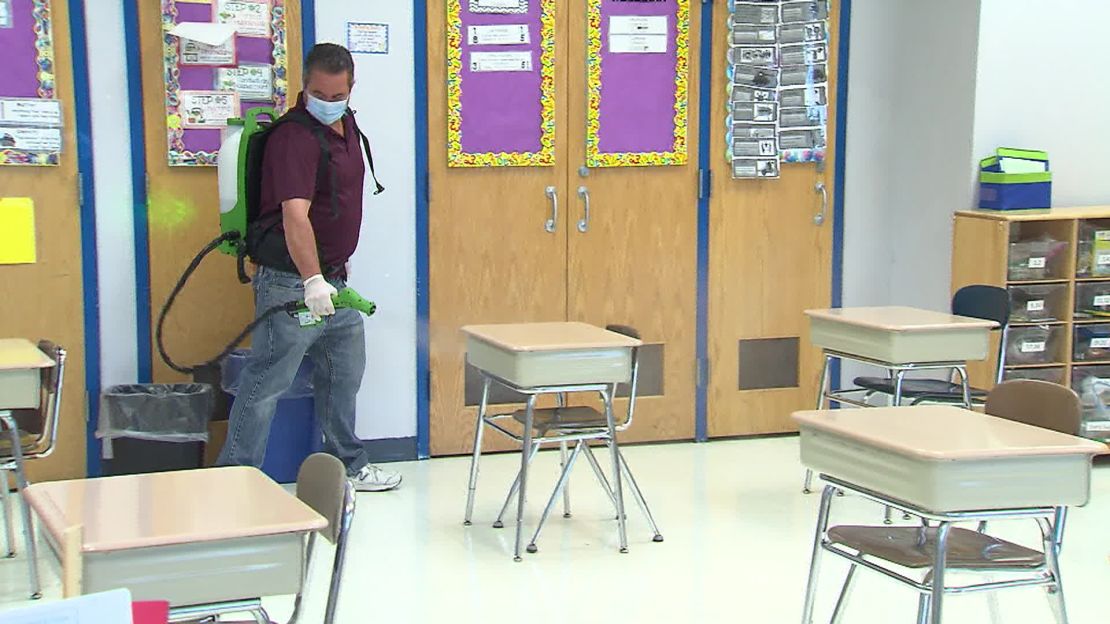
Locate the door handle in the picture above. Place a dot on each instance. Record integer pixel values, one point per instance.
(553, 222)
(584, 222)
(819, 218)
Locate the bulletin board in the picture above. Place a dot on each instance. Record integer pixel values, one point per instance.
(30, 114)
(203, 85)
(637, 65)
(500, 83)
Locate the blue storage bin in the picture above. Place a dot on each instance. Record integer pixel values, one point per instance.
(999, 190)
(294, 432)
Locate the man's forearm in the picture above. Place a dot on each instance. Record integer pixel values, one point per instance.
(301, 241)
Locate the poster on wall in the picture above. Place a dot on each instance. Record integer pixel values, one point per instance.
(199, 97)
(204, 55)
(30, 115)
(367, 38)
(500, 83)
(637, 81)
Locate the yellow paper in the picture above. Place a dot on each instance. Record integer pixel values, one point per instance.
(17, 230)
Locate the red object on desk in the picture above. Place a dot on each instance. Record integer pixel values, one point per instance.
(153, 612)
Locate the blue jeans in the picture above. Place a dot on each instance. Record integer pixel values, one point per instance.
(279, 344)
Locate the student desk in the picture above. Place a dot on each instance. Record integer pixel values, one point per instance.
(193, 537)
(20, 364)
(546, 358)
(898, 339)
(945, 464)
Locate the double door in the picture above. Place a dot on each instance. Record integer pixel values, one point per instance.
(561, 243)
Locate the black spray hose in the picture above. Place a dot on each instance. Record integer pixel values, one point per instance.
(188, 370)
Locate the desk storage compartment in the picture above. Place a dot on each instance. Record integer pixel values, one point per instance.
(1038, 303)
(202, 572)
(20, 388)
(1092, 383)
(1037, 259)
(962, 485)
(528, 369)
(1093, 248)
(1092, 343)
(1054, 374)
(1034, 345)
(1092, 300)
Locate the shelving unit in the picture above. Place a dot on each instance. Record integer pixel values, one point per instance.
(1037, 249)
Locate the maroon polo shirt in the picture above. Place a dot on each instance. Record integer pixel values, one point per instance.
(289, 172)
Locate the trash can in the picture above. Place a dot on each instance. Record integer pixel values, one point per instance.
(294, 434)
(153, 427)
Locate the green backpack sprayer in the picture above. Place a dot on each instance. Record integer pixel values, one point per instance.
(245, 234)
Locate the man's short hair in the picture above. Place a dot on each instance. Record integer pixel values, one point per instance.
(330, 59)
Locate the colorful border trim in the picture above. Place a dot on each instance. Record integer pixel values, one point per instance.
(678, 154)
(44, 60)
(456, 157)
(177, 155)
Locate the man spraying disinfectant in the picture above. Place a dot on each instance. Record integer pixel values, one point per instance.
(307, 228)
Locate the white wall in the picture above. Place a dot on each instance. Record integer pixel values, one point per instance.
(384, 267)
(1041, 85)
(115, 242)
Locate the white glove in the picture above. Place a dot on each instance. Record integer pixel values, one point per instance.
(317, 296)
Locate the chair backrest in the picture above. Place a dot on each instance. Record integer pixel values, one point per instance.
(631, 332)
(991, 303)
(43, 420)
(1038, 403)
(322, 485)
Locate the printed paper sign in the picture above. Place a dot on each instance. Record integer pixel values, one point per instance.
(751, 94)
(197, 53)
(809, 11)
(753, 131)
(1035, 306)
(31, 112)
(365, 38)
(755, 111)
(1097, 425)
(749, 55)
(1102, 235)
(251, 18)
(800, 117)
(207, 109)
(501, 34)
(498, 6)
(500, 61)
(1101, 301)
(1100, 343)
(637, 44)
(802, 33)
(1036, 263)
(31, 139)
(755, 168)
(805, 96)
(807, 138)
(753, 76)
(638, 25)
(751, 34)
(1033, 347)
(1102, 259)
(253, 83)
(5, 13)
(754, 148)
(808, 54)
(754, 13)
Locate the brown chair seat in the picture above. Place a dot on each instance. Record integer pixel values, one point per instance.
(29, 443)
(563, 418)
(967, 549)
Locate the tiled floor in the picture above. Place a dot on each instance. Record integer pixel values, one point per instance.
(738, 534)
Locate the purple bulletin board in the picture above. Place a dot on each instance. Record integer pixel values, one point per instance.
(637, 107)
(27, 70)
(200, 146)
(501, 118)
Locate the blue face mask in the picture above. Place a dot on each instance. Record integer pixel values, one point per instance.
(326, 113)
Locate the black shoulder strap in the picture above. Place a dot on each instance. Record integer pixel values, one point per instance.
(369, 155)
(325, 173)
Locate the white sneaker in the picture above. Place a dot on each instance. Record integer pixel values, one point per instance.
(375, 479)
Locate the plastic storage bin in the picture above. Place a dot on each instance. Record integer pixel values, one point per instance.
(294, 432)
(1034, 345)
(1055, 374)
(1092, 384)
(1037, 259)
(1092, 343)
(1038, 303)
(1093, 249)
(154, 427)
(1092, 300)
(999, 190)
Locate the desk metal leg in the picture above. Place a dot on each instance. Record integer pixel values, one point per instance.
(815, 560)
(896, 401)
(614, 453)
(600, 474)
(964, 386)
(561, 401)
(1050, 534)
(842, 600)
(9, 519)
(923, 609)
(498, 523)
(21, 485)
(657, 537)
(479, 426)
(525, 459)
(560, 488)
(821, 386)
(939, 563)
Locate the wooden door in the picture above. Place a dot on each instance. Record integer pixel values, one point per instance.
(768, 262)
(491, 260)
(636, 264)
(45, 299)
(183, 215)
